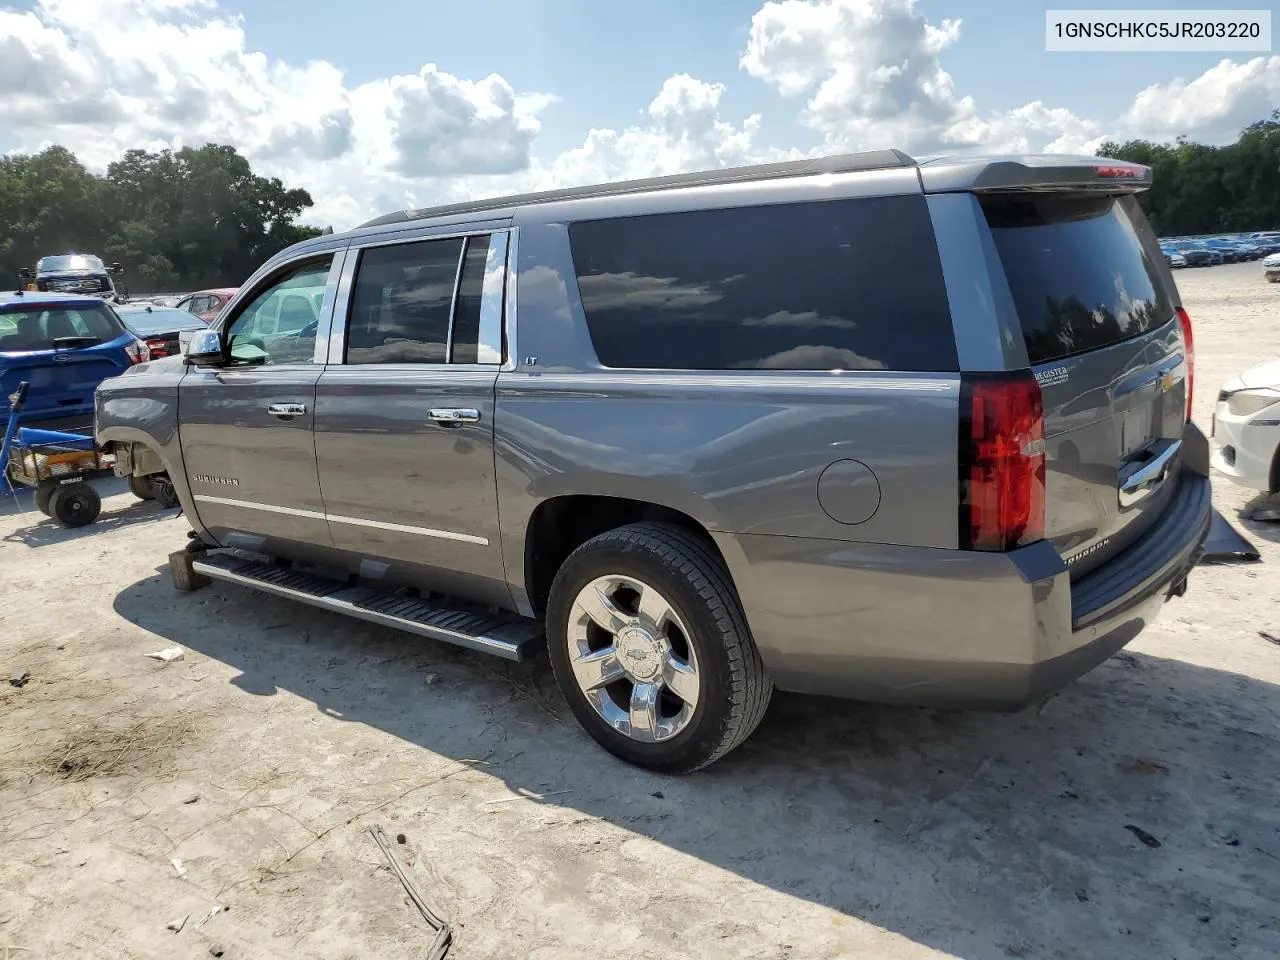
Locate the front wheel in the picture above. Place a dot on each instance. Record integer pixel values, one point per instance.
(165, 495)
(651, 649)
(142, 487)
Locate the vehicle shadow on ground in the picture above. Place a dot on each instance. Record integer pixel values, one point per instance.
(1132, 815)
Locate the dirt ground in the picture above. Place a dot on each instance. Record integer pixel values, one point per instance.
(1134, 815)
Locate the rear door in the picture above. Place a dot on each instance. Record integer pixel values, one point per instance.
(404, 414)
(1098, 314)
(63, 352)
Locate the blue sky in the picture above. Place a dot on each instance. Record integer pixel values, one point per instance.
(390, 103)
(606, 59)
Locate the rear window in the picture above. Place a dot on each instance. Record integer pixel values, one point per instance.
(836, 285)
(1080, 273)
(24, 330)
(160, 320)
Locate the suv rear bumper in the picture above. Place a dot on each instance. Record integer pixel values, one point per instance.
(948, 628)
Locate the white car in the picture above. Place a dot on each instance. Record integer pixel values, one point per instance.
(1271, 267)
(1246, 428)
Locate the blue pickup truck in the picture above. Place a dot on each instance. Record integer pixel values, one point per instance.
(63, 345)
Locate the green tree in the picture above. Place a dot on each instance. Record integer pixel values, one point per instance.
(1205, 189)
(185, 219)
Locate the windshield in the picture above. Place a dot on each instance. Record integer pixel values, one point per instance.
(1079, 273)
(73, 261)
(159, 320)
(29, 330)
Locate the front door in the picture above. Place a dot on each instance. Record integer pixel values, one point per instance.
(246, 429)
(404, 414)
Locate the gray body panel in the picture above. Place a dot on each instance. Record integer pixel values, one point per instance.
(832, 497)
(429, 487)
(236, 454)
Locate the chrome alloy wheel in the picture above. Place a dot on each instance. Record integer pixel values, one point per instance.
(632, 658)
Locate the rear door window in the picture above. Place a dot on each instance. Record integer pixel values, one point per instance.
(1082, 271)
(402, 302)
(835, 285)
(430, 301)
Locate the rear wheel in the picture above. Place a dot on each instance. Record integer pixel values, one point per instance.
(142, 487)
(75, 505)
(651, 650)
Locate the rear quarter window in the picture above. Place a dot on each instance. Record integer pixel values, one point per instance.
(834, 285)
(1082, 271)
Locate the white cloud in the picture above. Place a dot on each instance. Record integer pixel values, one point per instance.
(102, 77)
(1215, 105)
(873, 77)
(683, 131)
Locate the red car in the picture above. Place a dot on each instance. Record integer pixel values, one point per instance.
(206, 304)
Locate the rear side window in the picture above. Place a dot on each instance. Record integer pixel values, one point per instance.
(432, 301)
(402, 302)
(836, 285)
(1081, 275)
(39, 329)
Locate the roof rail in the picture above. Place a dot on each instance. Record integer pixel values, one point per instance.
(843, 163)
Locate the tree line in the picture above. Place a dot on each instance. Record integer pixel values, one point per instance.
(176, 220)
(1203, 189)
(200, 217)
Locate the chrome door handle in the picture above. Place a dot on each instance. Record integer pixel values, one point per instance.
(449, 416)
(287, 410)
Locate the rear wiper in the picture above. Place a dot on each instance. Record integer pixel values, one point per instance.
(71, 343)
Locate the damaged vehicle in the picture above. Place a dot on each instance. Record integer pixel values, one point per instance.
(908, 431)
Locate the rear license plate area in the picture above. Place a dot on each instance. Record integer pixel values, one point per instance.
(1137, 431)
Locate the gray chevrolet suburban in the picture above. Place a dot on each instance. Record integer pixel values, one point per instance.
(865, 426)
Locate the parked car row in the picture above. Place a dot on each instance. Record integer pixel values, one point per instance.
(65, 343)
(1210, 251)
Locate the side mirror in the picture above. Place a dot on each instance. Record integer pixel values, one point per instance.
(116, 268)
(24, 273)
(205, 350)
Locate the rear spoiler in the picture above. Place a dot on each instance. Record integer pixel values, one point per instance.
(1033, 174)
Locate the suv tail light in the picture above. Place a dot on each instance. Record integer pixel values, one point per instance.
(1189, 347)
(138, 351)
(158, 348)
(1001, 462)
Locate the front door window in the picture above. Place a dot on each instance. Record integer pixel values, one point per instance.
(279, 325)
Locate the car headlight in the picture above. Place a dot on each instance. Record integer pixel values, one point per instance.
(1245, 403)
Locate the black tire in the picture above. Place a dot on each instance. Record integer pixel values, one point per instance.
(735, 689)
(44, 493)
(166, 496)
(75, 505)
(142, 487)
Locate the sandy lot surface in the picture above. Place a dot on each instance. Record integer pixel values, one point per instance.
(245, 777)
